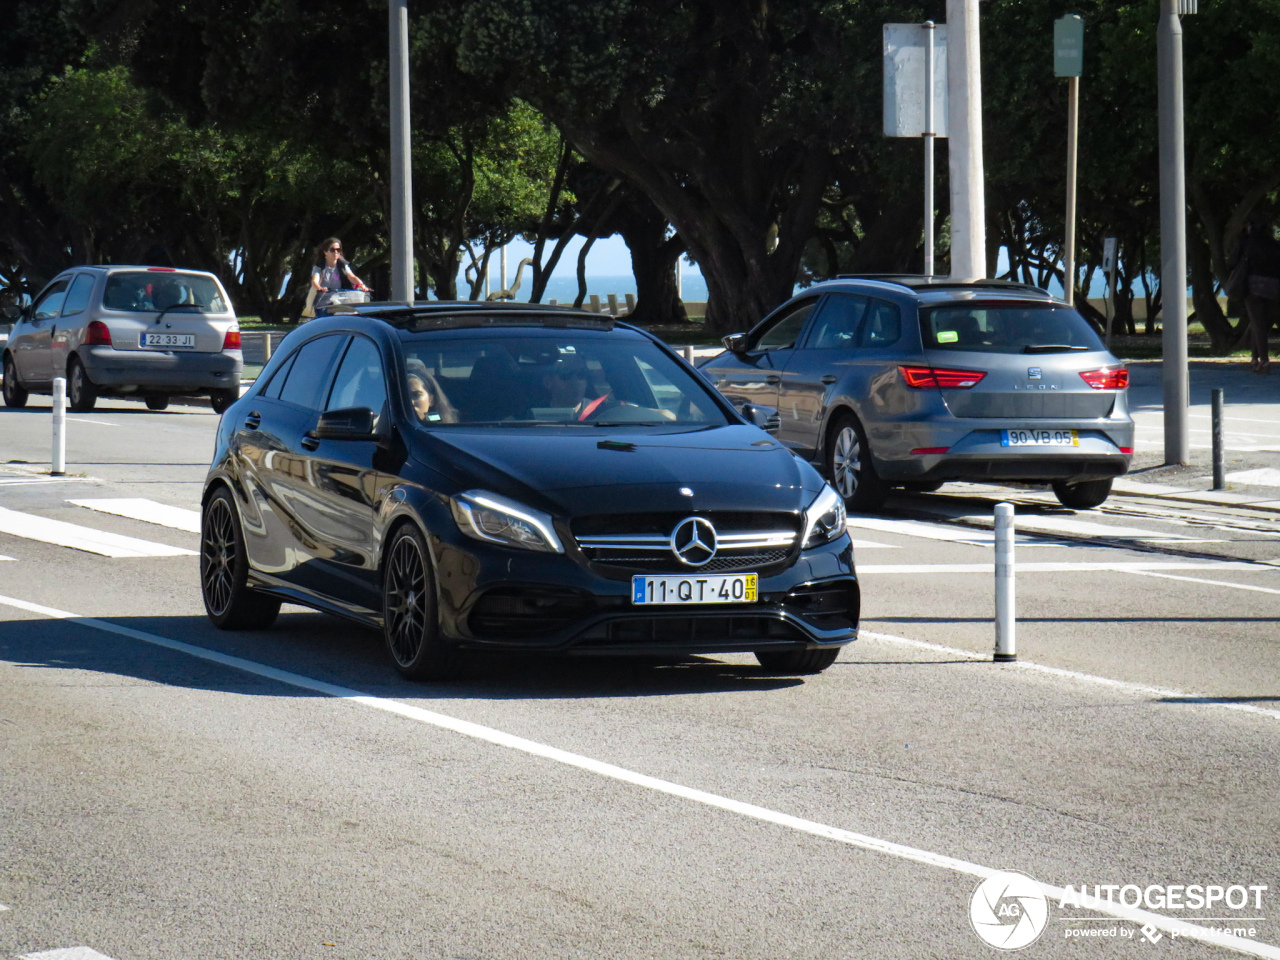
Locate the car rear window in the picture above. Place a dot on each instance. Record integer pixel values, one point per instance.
(1007, 328)
(150, 291)
(567, 378)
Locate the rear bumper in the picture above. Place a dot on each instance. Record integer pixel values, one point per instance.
(979, 454)
(129, 371)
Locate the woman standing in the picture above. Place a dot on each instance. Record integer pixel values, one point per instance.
(1261, 252)
(328, 274)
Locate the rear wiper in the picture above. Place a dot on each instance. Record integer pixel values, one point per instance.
(1051, 347)
(175, 306)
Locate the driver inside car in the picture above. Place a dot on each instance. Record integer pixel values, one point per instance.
(565, 382)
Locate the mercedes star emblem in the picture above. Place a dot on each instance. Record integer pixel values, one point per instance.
(693, 541)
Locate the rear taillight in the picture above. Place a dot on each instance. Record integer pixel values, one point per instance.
(1105, 379)
(231, 341)
(97, 335)
(940, 378)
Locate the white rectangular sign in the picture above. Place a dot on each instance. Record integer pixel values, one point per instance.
(904, 53)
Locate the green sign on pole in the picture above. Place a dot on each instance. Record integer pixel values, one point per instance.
(1068, 46)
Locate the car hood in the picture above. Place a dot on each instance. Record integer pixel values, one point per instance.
(568, 472)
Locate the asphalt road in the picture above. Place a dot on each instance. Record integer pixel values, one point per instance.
(170, 790)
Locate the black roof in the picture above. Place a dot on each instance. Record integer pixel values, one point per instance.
(424, 315)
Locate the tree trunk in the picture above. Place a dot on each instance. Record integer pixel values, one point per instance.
(1207, 310)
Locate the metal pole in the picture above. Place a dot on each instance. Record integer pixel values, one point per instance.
(503, 274)
(401, 168)
(929, 207)
(1073, 125)
(1173, 237)
(964, 127)
(1219, 464)
(1111, 283)
(680, 278)
(59, 464)
(1006, 640)
(688, 353)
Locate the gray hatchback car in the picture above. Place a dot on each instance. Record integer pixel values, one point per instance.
(914, 381)
(126, 331)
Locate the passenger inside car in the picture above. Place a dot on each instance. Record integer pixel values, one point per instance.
(430, 405)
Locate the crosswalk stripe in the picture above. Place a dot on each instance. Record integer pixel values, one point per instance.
(873, 545)
(67, 953)
(32, 527)
(1076, 566)
(968, 536)
(149, 511)
(1086, 528)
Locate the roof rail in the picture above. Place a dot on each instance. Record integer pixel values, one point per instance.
(918, 281)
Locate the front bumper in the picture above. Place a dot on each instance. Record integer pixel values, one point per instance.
(499, 599)
(129, 371)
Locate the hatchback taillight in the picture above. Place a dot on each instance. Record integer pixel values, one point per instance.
(231, 341)
(1107, 379)
(941, 378)
(97, 335)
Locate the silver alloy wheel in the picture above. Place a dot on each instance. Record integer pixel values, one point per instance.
(75, 388)
(218, 551)
(406, 601)
(846, 461)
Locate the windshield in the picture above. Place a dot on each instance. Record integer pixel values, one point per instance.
(153, 291)
(1007, 328)
(565, 379)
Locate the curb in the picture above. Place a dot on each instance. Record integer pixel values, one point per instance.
(1216, 498)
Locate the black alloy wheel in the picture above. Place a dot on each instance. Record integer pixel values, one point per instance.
(409, 622)
(14, 394)
(221, 399)
(798, 662)
(224, 570)
(158, 401)
(1082, 496)
(81, 393)
(849, 466)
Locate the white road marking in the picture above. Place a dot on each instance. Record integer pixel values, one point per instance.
(1262, 477)
(25, 481)
(67, 953)
(32, 527)
(1216, 583)
(873, 545)
(149, 511)
(101, 423)
(533, 748)
(1140, 688)
(1086, 528)
(927, 531)
(1079, 566)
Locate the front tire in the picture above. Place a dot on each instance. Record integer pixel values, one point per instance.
(14, 394)
(221, 399)
(224, 571)
(410, 624)
(81, 392)
(1082, 496)
(850, 469)
(799, 662)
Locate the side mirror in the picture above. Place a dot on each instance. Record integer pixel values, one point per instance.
(735, 343)
(350, 423)
(766, 418)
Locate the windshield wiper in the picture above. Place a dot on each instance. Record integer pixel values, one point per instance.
(1051, 347)
(175, 306)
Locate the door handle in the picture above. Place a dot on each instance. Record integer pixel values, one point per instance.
(310, 443)
(829, 379)
(773, 378)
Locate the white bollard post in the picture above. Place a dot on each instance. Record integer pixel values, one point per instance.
(613, 304)
(1006, 641)
(59, 427)
(688, 353)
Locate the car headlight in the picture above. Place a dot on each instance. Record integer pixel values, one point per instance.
(824, 520)
(497, 519)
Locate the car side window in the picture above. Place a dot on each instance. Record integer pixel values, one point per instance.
(360, 381)
(309, 374)
(276, 383)
(78, 295)
(50, 303)
(836, 325)
(782, 332)
(882, 326)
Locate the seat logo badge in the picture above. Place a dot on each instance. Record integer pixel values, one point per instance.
(693, 541)
(1033, 373)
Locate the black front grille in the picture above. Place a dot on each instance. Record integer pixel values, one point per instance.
(711, 630)
(518, 612)
(665, 562)
(664, 523)
(828, 606)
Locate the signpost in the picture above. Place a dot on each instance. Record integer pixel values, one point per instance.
(401, 188)
(964, 104)
(1068, 60)
(915, 61)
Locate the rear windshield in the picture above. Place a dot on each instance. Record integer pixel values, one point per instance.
(565, 379)
(152, 291)
(1007, 328)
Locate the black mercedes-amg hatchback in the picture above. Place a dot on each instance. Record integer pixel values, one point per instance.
(480, 476)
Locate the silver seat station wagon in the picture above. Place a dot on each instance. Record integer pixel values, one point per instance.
(126, 331)
(914, 381)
